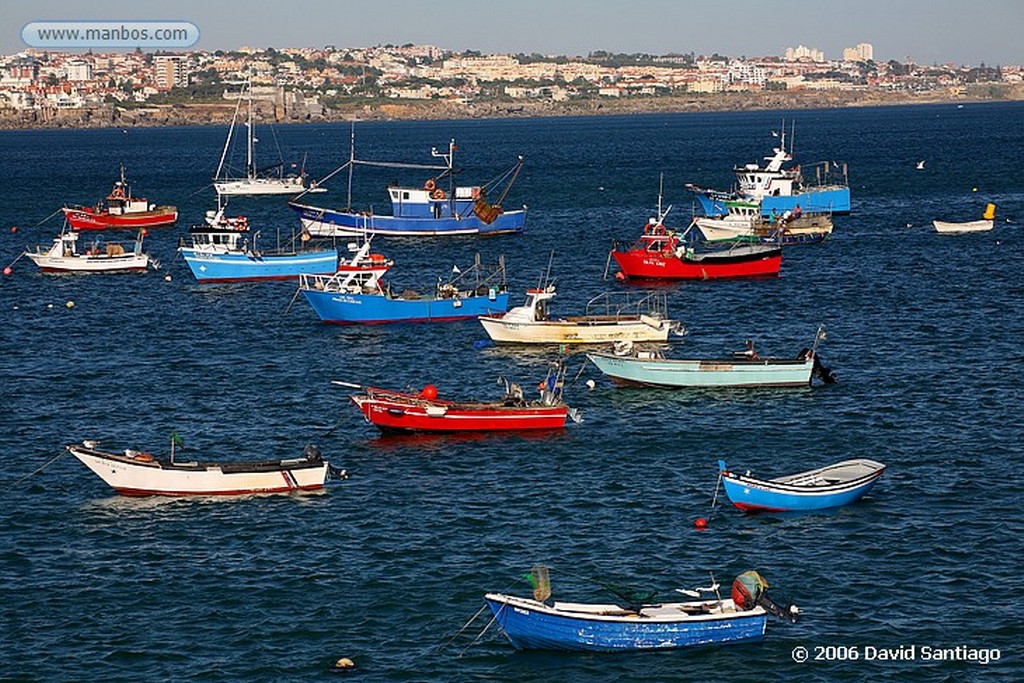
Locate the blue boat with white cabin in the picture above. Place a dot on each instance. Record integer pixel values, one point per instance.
(821, 188)
(356, 295)
(820, 489)
(436, 207)
(221, 252)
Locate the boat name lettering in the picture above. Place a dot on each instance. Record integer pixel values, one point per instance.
(716, 367)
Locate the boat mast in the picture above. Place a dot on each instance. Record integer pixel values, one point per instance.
(250, 169)
(227, 143)
(449, 159)
(351, 161)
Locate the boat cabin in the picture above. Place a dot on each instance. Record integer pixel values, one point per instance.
(120, 201)
(431, 201)
(209, 240)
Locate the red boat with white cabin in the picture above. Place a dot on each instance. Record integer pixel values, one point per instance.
(394, 411)
(120, 210)
(661, 254)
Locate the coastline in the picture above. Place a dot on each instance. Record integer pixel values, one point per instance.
(220, 114)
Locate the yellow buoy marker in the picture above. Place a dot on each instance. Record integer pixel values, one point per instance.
(990, 212)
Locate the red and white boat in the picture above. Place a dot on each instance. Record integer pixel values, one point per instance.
(394, 411)
(133, 473)
(120, 210)
(661, 254)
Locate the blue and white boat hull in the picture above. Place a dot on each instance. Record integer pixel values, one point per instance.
(821, 489)
(323, 223)
(694, 374)
(351, 309)
(828, 200)
(241, 266)
(529, 624)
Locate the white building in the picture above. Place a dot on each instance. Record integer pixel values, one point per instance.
(864, 52)
(802, 52)
(78, 70)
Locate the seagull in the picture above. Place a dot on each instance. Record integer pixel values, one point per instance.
(920, 165)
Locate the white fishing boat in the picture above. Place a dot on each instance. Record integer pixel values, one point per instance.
(135, 473)
(988, 219)
(609, 317)
(255, 181)
(63, 256)
(745, 222)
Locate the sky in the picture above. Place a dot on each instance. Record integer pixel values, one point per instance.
(968, 32)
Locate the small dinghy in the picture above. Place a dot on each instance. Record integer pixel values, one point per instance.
(984, 225)
(826, 487)
(541, 623)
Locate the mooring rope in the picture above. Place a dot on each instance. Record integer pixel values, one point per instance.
(30, 474)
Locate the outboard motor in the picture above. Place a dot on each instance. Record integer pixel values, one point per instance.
(823, 373)
(750, 589)
(312, 453)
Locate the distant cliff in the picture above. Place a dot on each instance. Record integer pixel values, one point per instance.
(383, 110)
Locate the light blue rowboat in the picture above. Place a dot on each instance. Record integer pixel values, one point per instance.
(530, 624)
(744, 369)
(827, 487)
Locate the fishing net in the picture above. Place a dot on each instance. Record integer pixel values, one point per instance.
(541, 582)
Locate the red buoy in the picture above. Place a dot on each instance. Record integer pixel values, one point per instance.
(620, 276)
(14, 228)
(700, 523)
(429, 392)
(8, 270)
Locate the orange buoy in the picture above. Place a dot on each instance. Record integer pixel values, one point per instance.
(429, 392)
(14, 228)
(8, 270)
(700, 523)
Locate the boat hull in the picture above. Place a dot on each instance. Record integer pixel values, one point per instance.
(745, 262)
(145, 476)
(82, 218)
(821, 489)
(594, 331)
(397, 413)
(834, 200)
(970, 226)
(695, 374)
(369, 309)
(529, 624)
(126, 263)
(259, 186)
(244, 267)
(329, 223)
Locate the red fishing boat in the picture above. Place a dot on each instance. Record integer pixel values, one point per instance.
(394, 411)
(120, 210)
(661, 254)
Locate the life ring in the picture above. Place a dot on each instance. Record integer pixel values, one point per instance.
(429, 185)
(118, 192)
(437, 194)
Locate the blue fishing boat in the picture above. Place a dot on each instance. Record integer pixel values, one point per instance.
(821, 188)
(221, 252)
(745, 368)
(437, 207)
(595, 627)
(826, 487)
(356, 294)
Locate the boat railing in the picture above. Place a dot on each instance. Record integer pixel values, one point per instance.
(825, 173)
(479, 277)
(628, 304)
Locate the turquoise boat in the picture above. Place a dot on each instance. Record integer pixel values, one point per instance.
(744, 369)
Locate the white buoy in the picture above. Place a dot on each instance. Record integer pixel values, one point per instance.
(167, 278)
(591, 384)
(49, 305)
(70, 304)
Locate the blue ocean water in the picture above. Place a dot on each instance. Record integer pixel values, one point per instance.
(923, 330)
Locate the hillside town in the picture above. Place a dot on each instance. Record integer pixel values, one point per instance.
(304, 83)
